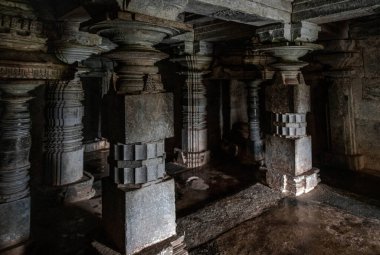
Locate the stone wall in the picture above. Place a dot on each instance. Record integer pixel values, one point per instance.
(367, 107)
(351, 56)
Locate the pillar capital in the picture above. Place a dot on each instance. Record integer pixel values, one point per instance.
(136, 35)
(289, 32)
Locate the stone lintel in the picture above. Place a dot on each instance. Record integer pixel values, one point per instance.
(302, 31)
(165, 9)
(130, 16)
(322, 11)
(254, 12)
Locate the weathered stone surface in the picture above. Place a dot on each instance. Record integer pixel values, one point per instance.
(166, 9)
(321, 11)
(253, 12)
(291, 156)
(14, 222)
(136, 219)
(294, 32)
(371, 89)
(300, 227)
(215, 219)
(293, 185)
(148, 117)
(282, 98)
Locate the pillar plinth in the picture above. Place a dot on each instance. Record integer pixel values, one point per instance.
(194, 151)
(140, 117)
(288, 156)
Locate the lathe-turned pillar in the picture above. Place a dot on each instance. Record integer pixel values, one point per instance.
(288, 156)
(24, 65)
(138, 196)
(194, 151)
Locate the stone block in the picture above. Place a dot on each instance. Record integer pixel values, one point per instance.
(288, 156)
(136, 219)
(165, 9)
(287, 99)
(293, 185)
(14, 222)
(148, 117)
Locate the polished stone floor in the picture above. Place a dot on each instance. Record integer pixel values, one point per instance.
(227, 211)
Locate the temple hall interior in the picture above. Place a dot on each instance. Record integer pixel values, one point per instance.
(189, 127)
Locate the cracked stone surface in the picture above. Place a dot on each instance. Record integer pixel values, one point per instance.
(213, 220)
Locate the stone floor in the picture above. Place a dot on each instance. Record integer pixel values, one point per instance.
(303, 226)
(224, 210)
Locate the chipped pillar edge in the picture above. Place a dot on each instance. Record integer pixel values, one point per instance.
(288, 156)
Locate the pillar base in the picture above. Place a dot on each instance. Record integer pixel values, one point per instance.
(14, 225)
(135, 219)
(293, 185)
(70, 193)
(192, 159)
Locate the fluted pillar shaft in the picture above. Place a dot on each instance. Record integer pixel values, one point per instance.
(194, 151)
(64, 149)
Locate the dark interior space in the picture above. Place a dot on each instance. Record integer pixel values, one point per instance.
(198, 127)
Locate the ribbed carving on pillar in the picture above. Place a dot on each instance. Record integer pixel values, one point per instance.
(15, 142)
(256, 143)
(64, 149)
(194, 151)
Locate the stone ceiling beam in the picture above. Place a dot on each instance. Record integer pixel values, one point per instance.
(325, 11)
(252, 12)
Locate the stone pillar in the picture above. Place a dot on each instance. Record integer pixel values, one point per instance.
(256, 143)
(288, 156)
(342, 120)
(138, 197)
(340, 77)
(194, 151)
(15, 143)
(261, 62)
(64, 146)
(22, 47)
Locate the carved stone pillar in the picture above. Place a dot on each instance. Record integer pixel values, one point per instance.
(194, 152)
(288, 155)
(64, 147)
(138, 197)
(342, 120)
(24, 65)
(343, 152)
(261, 62)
